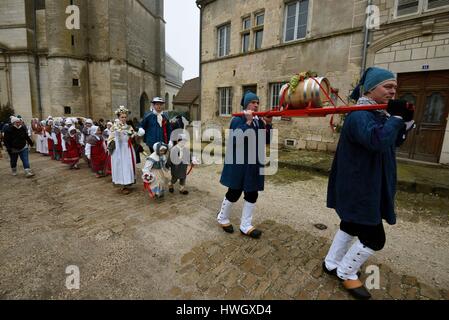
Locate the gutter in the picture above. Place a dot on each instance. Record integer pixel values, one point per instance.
(365, 42)
(37, 64)
(200, 64)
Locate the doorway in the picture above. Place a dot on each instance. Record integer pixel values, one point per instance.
(429, 92)
(144, 104)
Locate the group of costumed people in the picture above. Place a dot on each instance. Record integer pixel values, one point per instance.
(362, 183)
(116, 150)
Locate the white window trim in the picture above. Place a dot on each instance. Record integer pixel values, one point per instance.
(309, 8)
(228, 101)
(243, 23)
(396, 3)
(422, 8)
(225, 37)
(258, 14)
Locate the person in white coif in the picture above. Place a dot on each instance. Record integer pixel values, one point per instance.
(156, 124)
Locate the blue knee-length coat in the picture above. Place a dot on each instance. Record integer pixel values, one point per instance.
(153, 131)
(362, 183)
(244, 170)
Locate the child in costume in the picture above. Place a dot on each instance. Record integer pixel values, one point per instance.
(178, 163)
(155, 171)
(96, 151)
(73, 148)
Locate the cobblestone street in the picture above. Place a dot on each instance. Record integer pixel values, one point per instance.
(132, 247)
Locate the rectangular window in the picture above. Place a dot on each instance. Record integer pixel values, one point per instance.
(405, 7)
(275, 88)
(73, 40)
(296, 15)
(433, 4)
(224, 37)
(40, 4)
(67, 110)
(246, 23)
(260, 19)
(245, 42)
(225, 101)
(75, 82)
(258, 38)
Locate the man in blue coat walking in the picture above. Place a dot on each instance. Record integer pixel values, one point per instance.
(243, 169)
(362, 183)
(156, 124)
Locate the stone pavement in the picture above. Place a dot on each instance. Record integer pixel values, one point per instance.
(284, 265)
(135, 248)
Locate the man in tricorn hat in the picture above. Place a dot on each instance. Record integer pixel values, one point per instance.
(156, 124)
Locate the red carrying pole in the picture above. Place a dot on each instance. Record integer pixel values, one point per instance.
(315, 112)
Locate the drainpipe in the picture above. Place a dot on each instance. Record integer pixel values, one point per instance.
(365, 42)
(200, 66)
(89, 59)
(7, 62)
(37, 64)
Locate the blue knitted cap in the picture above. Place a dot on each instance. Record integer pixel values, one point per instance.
(247, 98)
(371, 78)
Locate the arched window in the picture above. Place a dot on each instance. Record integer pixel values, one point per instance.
(167, 101)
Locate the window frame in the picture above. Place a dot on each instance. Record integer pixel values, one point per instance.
(271, 87)
(227, 40)
(248, 33)
(426, 6)
(256, 15)
(295, 34)
(423, 7)
(228, 101)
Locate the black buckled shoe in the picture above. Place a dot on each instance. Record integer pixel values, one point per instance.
(357, 289)
(329, 272)
(334, 271)
(228, 228)
(253, 233)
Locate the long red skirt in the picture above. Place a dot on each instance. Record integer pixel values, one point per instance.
(98, 157)
(72, 155)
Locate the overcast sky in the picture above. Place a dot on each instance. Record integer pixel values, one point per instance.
(182, 34)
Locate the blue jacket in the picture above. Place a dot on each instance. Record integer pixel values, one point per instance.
(153, 131)
(362, 183)
(246, 174)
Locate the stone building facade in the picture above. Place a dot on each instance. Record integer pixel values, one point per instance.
(173, 81)
(259, 45)
(116, 57)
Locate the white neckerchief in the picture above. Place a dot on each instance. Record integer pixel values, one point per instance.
(159, 116)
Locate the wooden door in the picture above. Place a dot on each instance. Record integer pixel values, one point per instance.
(429, 91)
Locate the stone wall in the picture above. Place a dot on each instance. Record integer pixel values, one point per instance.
(333, 48)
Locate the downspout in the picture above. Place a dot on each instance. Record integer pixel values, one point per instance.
(365, 42)
(88, 60)
(200, 66)
(37, 64)
(7, 76)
